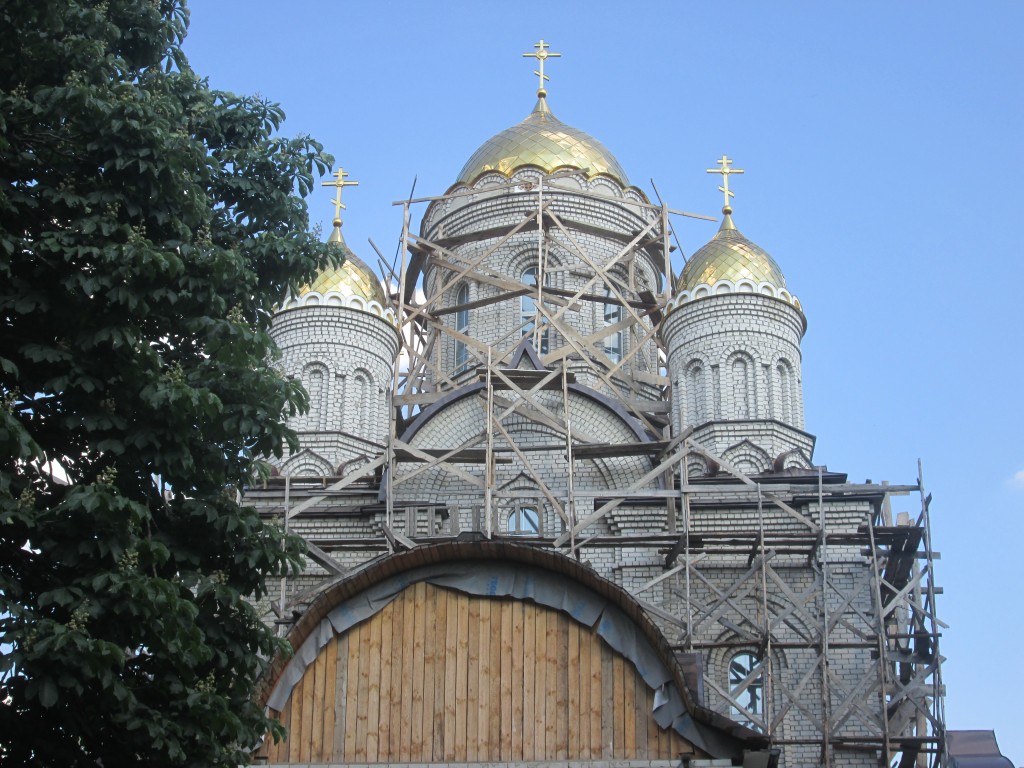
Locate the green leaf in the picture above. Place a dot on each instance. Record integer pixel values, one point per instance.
(47, 693)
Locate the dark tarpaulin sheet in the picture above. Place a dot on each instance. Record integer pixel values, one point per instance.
(975, 749)
(507, 580)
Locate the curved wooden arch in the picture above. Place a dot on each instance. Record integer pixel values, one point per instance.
(440, 675)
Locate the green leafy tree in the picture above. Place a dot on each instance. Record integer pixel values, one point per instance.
(148, 225)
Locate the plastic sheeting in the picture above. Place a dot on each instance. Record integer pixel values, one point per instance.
(507, 580)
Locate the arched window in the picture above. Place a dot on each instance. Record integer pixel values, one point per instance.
(696, 409)
(746, 686)
(314, 378)
(462, 326)
(362, 386)
(528, 311)
(785, 381)
(523, 520)
(743, 387)
(613, 341)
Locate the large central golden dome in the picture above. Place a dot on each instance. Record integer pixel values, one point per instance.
(544, 141)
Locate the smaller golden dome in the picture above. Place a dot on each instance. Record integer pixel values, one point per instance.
(730, 256)
(544, 141)
(352, 278)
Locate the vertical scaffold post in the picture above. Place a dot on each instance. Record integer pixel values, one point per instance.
(685, 505)
(284, 574)
(766, 661)
(883, 645)
(570, 493)
(938, 700)
(404, 333)
(826, 694)
(489, 451)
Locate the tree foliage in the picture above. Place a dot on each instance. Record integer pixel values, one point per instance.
(148, 225)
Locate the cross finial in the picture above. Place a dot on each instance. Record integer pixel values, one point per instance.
(725, 171)
(540, 55)
(339, 182)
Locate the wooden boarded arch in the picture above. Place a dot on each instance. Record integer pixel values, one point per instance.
(442, 676)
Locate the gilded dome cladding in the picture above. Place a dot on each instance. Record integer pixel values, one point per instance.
(544, 141)
(730, 256)
(353, 278)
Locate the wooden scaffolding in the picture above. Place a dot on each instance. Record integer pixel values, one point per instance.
(865, 593)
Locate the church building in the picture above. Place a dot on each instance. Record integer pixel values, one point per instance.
(561, 504)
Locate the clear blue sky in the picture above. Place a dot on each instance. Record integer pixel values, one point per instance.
(882, 144)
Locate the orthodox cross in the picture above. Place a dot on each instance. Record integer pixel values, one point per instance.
(540, 55)
(339, 183)
(725, 170)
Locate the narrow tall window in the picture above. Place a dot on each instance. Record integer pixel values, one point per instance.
(696, 396)
(613, 341)
(361, 389)
(528, 311)
(315, 383)
(462, 326)
(784, 376)
(741, 387)
(746, 686)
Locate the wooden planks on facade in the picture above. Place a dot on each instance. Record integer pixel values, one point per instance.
(440, 676)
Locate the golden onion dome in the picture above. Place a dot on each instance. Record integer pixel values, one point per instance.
(352, 278)
(730, 256)
(544, 141)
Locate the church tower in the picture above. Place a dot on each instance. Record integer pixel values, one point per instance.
(339, 337)
(569, 281)
(732, 332)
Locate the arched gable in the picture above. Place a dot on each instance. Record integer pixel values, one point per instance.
(482, 652)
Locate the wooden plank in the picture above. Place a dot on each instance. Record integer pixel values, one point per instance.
(316, 747)
(376, 641)
(581, 724)
(618, 697)
(440, 670)
(607, 704)
(472, 712)
(651, 743)
(528, 667)
(494, 714)
(306, 735)
(504, 711)
(595, 721)
(386, 673)
(516, 684)
(461, 678)
(551, 670)
(429, 662)
(628, 709)
(279, 751)
(363, 689)
(540, 688)
(340, 697)
(330, 651)
(483, 725)
(408, 665)
(395, 724)
(450, 679)
(351, 693)
(419, 592)
(562, 685)
(295, 723)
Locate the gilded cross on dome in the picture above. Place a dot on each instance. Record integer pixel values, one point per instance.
(339, 182)
(725, 171)
(540, 55)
